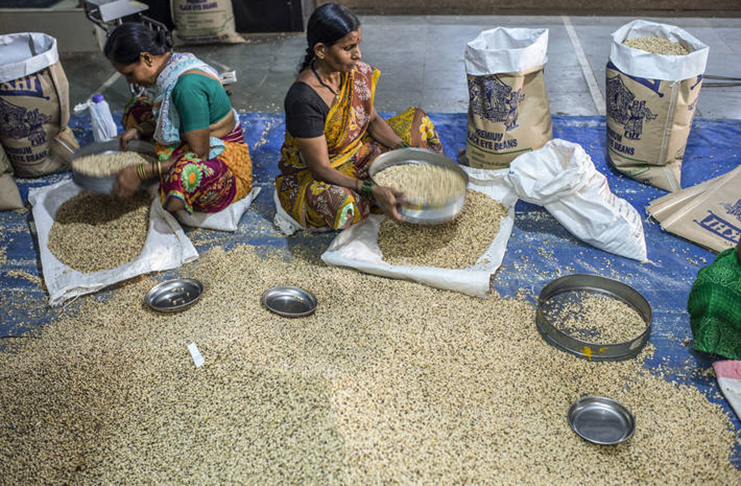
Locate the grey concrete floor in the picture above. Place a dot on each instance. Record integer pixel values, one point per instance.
(421, 61)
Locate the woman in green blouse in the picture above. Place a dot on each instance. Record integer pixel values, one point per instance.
(204, 163)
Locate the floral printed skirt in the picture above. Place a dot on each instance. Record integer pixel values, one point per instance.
(203, 185)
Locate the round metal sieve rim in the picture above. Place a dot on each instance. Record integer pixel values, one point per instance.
(585, 349)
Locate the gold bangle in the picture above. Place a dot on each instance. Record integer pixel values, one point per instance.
(156, 169)
(140, 172)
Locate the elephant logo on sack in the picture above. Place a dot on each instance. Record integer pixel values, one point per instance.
(733, 209)
(17, 122)
(492, 99)
(626, 110)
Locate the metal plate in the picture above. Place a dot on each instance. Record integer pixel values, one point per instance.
(585, 349)
(174, 295)
(104, 184)
(289, 301)
(422, 214)
(601, 420)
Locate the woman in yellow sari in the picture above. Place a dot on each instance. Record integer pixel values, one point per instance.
(333, 132)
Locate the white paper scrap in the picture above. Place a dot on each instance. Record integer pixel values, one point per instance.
(197, 357)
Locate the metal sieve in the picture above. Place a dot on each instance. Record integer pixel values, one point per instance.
(104, 184)
(594, 351)
(422, 214)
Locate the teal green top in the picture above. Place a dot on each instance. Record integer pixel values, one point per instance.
(200, 101)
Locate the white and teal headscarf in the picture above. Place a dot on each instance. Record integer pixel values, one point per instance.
(167, 131)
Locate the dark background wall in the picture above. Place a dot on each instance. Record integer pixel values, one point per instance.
(290, 15)
(573, 7)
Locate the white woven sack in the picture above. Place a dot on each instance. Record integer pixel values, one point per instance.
(357, 246)
(562, 178)
(225, 220)
(166, 247)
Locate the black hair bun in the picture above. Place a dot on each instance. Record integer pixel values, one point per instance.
(164, 38)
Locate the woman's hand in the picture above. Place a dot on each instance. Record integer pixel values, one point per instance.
(127, 183)
(387, 199)
(128, 136)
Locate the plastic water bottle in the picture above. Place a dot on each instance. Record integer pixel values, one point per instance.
(104, 128)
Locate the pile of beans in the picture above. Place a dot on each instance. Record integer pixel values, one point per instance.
(657, 45)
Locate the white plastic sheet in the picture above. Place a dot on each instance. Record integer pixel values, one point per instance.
(357, 246)
(225, 220)
(561, 177)
(166, 247)
(286, 224)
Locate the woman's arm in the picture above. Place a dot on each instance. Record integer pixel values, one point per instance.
(129, 180)
(314, 152)
(144, 129)
(131, 177)
(316, 155)
(199, 141)
(382, 132)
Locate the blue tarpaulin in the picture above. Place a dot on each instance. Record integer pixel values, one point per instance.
(539, 250)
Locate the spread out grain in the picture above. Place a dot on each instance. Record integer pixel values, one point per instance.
(457, 244)
(657, 45)
(389, 382)
(92, 232)
(423, 184)
(595, 318)
(108, 164)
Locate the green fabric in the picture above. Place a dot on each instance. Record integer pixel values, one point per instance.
(347, 213)
(715, 307)
(200, 101)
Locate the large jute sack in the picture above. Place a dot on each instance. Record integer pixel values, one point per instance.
(10, 198)
(651, 99)
(34, 105)
(204, 22)
(508, 111)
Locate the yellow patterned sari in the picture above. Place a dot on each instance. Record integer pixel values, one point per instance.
(317, 204)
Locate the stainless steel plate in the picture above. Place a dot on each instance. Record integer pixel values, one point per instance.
(422, 214)
(601, 420)
(174, 295)
(592, 284)
(104, 184)
(289, 301)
